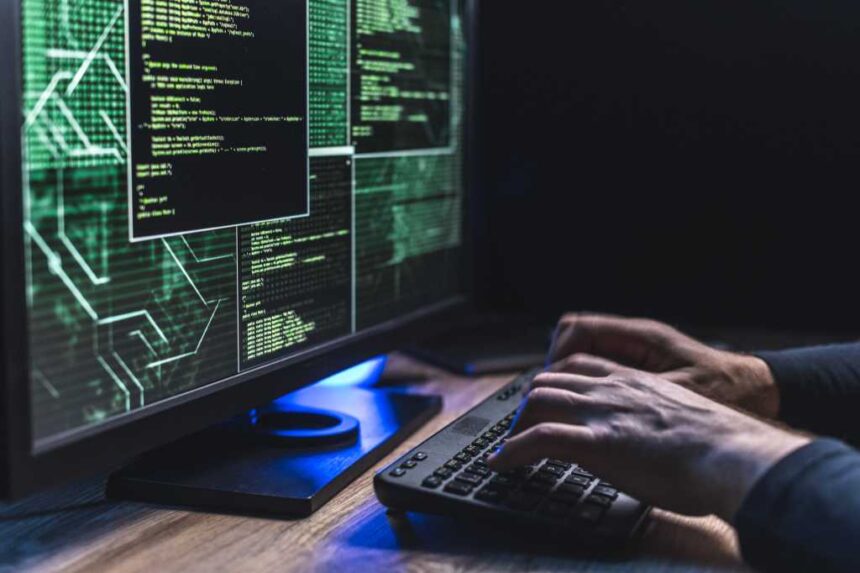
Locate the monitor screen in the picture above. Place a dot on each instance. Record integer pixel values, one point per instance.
(214, 187)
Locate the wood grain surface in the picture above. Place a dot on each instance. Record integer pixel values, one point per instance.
(75, 529)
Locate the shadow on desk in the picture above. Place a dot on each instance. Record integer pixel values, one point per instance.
(670, 544)
(34, 535)
(50, 532)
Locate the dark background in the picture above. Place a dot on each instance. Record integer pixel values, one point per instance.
(694, 160)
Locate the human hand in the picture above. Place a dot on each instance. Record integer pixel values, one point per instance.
(657, 441)
(599, 344)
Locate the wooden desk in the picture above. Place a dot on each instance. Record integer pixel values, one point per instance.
(352, 533)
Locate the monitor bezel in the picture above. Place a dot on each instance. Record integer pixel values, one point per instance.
(22, 471)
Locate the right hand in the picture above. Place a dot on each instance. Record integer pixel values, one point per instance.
(599, 345)
(659, 442)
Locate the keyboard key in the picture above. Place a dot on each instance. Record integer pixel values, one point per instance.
(598, 500)
(463, 458)
(582, 472)
(472, 451)
(481, 443)
(602, 490)
(481, 463)
(559, 463)
(555, 470)
(552, 471)
(408, 465)
(523, 501)
(419, 457)
(459, 488)
(432, 482)
(482, 471)
(588, 513)
(398, 473)
(453, 465)
(468, 478)
(443, 473)
(490, 495)
(578, 480)
(544, 478)
(571, 490)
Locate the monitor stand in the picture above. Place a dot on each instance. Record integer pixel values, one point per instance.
(285, 460)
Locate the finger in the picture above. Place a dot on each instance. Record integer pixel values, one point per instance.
(550, 405)
(631, 342)
(571, 382)
(587, 365)
(555, 441)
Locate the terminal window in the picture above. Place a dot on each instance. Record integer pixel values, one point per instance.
(202, 119)
(296, 179)
(401, 82)
(296, 276)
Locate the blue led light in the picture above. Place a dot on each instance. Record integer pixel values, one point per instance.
(364, 374)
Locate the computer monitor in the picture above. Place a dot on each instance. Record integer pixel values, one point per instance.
(209, 203)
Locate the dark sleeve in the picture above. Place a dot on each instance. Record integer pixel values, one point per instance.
(804, 514)
(819, 388)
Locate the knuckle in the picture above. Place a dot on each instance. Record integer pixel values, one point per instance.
(568, 318)
(543, 379)
(591, 321)
(540, 394)
(609, 432)
(575, 403)
(545, 432)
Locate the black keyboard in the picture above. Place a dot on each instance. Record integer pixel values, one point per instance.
(448, 474)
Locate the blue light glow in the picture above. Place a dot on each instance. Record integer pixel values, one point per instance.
(364, 374)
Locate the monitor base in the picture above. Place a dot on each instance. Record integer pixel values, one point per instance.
(253, 468)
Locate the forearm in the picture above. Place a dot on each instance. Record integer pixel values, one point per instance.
(804, 514)
(819, 388)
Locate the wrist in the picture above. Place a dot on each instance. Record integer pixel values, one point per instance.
(743, 458)
(760, 394)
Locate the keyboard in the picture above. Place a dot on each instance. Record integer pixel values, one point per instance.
(448, 475)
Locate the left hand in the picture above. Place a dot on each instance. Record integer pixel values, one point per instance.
(657, 441)
(595, 344)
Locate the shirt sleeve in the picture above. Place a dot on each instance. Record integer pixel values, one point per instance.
(819, 388)
(804, 514)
